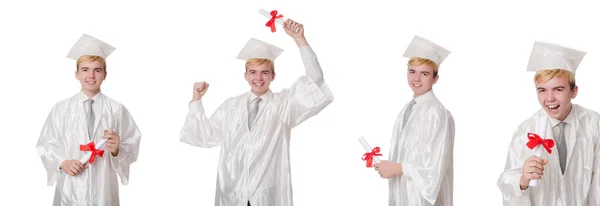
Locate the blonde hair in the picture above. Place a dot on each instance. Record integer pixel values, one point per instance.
(542, 76)
(91, 58)
(417, 61)
(260, 61)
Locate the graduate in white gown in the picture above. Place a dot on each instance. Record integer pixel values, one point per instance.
(420, 166)
(570, 174)
(253, 129)
(88, 117)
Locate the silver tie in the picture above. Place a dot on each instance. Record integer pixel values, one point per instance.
(561, 144)
(90, 118)
(253, 112)
(407, 113)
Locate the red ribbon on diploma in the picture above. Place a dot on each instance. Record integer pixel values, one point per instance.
(271, 22)
(91, 147)
(369, 156)
(535, 139)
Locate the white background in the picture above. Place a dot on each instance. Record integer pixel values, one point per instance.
(163, 48)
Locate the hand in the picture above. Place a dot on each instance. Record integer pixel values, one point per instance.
(533, 168)
(113, 142)
(290, 28)
(388, 169)
(199, 90)
(72, 167)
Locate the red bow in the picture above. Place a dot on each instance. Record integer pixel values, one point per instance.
(369, 156)
(271, 22)
(91, 147)
(535, 139)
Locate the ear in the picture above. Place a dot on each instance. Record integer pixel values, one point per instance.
(77, 74)
(246, 76)
(105, 73)
(574, 92)
(273, 77)
(435, 79)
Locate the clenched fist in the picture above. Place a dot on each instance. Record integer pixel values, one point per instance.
(533, 168)
(199, 90)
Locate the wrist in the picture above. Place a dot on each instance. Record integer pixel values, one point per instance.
(301, 41)
(399, 169)
(523, 184)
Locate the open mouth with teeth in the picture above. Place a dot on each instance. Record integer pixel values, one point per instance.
(259, 84)
(552, 107)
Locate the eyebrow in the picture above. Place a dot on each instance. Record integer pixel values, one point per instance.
(559, 87)
(94, 68)
(254, 70)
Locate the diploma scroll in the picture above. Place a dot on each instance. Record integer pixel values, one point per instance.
(88, 155)
(278, 20)
(537, 151)
(368, 148)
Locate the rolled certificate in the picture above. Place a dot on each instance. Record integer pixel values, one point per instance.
(368, 148)
(268, 15)
(537, 151)
(88, 155)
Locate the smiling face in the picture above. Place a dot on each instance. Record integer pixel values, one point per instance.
(259, 74)
(91, 72)
(422, 75)
(555, 89)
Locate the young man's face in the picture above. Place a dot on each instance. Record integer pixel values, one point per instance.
(555, 97)
(259, 78)
(421, 79)
(90, 75)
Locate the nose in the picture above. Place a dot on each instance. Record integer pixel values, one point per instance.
(550, 97)
(92, 75)
(417, 78)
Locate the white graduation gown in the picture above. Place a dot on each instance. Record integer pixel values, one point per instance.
(425, 150)
(580, 184)
(255, 165)
(65, 129)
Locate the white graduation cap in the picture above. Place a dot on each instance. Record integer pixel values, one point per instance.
(88, 45)
(423, 48)
(551, 56)
(259, 49)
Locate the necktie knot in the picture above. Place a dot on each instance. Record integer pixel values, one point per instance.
(561, 125)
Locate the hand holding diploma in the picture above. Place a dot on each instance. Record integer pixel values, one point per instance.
(274, 18)
(533, 168)
(112, 142)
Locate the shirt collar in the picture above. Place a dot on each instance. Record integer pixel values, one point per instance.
(83, 97)
(251, 96)
(423, 97)
(569, 120)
